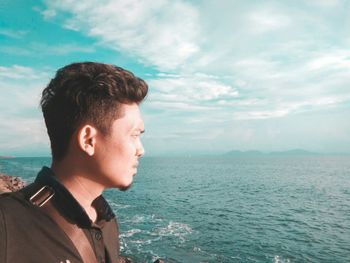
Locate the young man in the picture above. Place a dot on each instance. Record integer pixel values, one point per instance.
(92, 115)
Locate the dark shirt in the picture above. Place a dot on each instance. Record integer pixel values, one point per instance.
(27, 234)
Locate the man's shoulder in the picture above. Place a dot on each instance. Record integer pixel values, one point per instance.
(15, 214)
(13, 204)
(17, 204)
(18, 215)
(10, 199)
(24, 228)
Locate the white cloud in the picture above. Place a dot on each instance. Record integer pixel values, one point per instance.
(13, 33)
(326, 3)
(19, 133)
(64, 49)
(241, 72)
(21, 123)
(262, 21)
(20, 72)
(180, 106)
(287, 107)
(195, 89)
(258, 115)
(167, 34)
(13, 50)
(258, 62)
(39, 49)
(337, 60)
(146, 29)
(48, 14)
(248, 102)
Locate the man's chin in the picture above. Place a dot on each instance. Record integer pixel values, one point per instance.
(125, 188)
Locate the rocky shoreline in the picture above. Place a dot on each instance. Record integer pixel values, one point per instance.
(10, 183)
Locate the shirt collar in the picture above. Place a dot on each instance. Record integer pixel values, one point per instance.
(68, 205)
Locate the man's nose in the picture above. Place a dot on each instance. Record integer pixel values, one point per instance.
(140, 151)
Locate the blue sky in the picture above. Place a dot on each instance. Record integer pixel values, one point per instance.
(223, 75)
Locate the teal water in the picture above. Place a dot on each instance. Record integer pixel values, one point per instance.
(224, 209)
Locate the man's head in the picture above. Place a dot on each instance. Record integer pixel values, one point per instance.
(86, 93)
(92, 116)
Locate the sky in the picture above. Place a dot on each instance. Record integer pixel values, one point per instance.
(223, 75)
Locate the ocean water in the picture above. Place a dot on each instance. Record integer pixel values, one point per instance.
(224, 209)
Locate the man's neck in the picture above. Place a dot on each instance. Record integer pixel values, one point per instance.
(77, 182)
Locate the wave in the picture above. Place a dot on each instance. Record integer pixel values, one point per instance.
(279, 259)
(174, 229)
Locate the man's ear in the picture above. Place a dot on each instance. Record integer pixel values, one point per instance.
(87, 139)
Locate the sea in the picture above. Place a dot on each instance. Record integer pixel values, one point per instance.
(230, 209)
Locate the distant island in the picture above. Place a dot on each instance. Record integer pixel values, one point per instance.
(294, 152)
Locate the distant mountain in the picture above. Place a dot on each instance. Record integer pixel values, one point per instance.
(244, 153)
(294, 152)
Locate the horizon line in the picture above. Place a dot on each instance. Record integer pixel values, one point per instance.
(204, 154)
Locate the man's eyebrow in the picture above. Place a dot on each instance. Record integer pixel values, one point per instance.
(140, 130)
